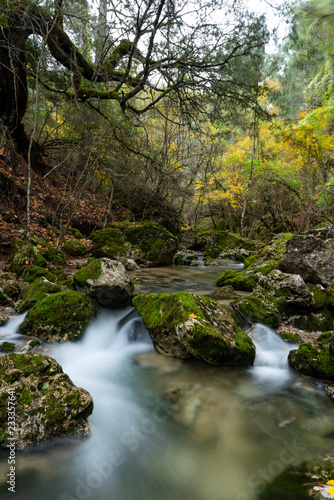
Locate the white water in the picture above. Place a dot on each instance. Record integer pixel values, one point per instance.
(271, 365)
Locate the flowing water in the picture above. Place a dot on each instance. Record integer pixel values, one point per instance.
(166, 429)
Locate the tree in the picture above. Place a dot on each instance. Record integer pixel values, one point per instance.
(156, 48)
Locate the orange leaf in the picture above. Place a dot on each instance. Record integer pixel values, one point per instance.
(192, 315)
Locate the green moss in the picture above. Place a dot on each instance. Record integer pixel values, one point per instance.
(313, 361)
(7, 347)
(26, 254)
(223, 240)
(63, 313)
(53, 254)
(75, 248)
(39, 289)
(319, 296)
(239, 280)
(291, 338)
(178, 259)
(32, 273)
(77, 234)
(325, 337)
(90, 272)
(108, 243)
(260, 309)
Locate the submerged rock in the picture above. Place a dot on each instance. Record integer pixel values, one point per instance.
(47, 403)
(315, 359)
(106, 281)
(311, 257)
(185, 325)
(59, 317)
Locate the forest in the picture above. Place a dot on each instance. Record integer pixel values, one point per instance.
(166, 249)
(161, 113)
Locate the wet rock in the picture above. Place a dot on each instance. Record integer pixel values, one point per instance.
(260, 307)
(106, 281)
(311, 257)
(315, 360)
(185, 325)
(59, 317)
(226, 292)
(47, 403)
(330, 392)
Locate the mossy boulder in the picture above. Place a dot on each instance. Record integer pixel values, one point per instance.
(318, 321)
(52, 254)
(223, 240)
(59, 317)
(319, 295)
(7, 347)
(245, 281)
(39, 289)
(77, 234)
(315, 360)
(26, 254)
(31, 273)
(47, 403)
(185, 325)
(75, 248)
(158, 246)
(260, 307)
(311, 257)
(106, 281)
(108, 243)
(260, 264)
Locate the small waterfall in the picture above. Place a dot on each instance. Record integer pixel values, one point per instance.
(270, 365)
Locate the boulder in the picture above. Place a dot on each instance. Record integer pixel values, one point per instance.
(106, 281)
(10, 288)
(24, 255)
(315, 359)
(109, 242)
(185, 325)
(59, 317)
(260, 264)
(260, 307)
(39, 289)
(47, 404)
(31, 273)
(75, 248)
(291, 287)
(311, 257)
(223, 240)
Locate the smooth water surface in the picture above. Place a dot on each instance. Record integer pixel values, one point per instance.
(166, 429)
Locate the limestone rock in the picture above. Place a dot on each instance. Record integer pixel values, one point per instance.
(290, 286)
(47, 403)
(59, 317)
(317, 359)
(185, 325)
(311, 257)
(106, 281)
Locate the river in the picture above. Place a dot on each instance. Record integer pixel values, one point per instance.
(218, 435)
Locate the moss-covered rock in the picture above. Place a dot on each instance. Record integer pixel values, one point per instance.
(320, 321)
(108, 243)
(106, 281)
(319, 296)
(178, 259)
(260, 307)
(244, 280)
(315, 360)
(59, 317)
(31, 273)
(7, 347)
(75, 248)
(77, 234)
(46, 403)
(39, 289)
(290, 338)
(186, 325)
(158, 246)
(291, 288)
(26, 254)
(223, 240)
(52, 254)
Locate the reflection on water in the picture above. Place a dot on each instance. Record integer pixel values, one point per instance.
(166, 429)
(199, 279)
